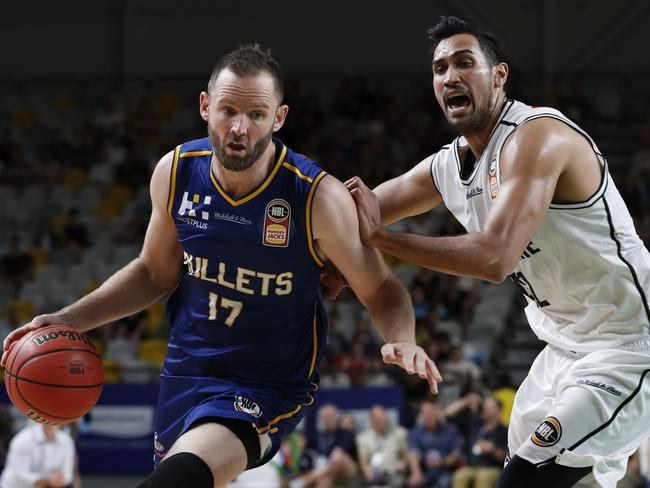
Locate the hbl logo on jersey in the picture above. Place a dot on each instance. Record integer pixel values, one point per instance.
(246, 405)
(277, 222)
(548, 433)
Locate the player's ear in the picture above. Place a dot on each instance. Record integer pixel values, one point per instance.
(280, 117)
(204, 105)
(500, 74)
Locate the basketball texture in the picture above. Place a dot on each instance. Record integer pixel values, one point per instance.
(54, 374)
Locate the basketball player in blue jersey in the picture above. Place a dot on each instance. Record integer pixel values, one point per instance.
(240, 229)
(534, 193)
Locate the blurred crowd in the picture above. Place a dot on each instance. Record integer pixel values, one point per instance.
(75, 161)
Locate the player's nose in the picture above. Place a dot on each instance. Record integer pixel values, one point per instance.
(239, 126)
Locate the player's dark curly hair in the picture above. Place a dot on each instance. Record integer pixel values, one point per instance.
(250, 60)
(449, 26)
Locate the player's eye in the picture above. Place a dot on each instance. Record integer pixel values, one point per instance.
(257, 115)
(227, 111)
(440, 69)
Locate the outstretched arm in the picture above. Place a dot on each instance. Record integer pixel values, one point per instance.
(336, 231)
(409, 194)
(144, 280)
(531, 164)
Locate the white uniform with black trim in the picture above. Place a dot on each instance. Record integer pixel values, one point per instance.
(586, 277)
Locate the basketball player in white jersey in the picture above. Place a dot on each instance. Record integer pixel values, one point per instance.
(534, 194)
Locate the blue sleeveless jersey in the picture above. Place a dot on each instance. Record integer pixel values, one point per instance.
(248, 308)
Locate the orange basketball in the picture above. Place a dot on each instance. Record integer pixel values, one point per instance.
(54, 374)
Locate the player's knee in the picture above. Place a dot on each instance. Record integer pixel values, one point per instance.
(520, 472)
(178, 471)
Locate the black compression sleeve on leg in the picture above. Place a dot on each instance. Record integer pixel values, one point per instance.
(520, 472)
(180, 471)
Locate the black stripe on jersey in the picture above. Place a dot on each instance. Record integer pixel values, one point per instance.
(612, 234)
(505, 122)
(432, 173)
(620, 407)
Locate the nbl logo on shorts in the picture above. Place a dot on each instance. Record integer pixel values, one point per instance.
(246, 405)
(548, 433)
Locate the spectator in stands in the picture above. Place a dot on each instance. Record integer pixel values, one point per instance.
(465, 413)
(6, 433)
(434, 449)
(383, 450)
(40, 456)
(465, 373)
(337, 451)
(488, 451)
(75, 231)
(17, 266)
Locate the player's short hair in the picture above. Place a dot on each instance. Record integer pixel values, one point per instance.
(449, 26)
(250, 60)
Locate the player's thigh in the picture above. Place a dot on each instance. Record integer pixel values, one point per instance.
(535, 397)
(217, 446)
(599, 417)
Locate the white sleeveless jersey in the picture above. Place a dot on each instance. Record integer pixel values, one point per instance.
(586, 273)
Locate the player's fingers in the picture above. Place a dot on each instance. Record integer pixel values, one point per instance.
(408, 360)
(388, 354)
(352, 182)
(421, 364)
(432, 369)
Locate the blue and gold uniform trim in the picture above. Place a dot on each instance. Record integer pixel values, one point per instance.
(247, 198)
(313, 356)
(172, 181)
(190, 154)
(291, 167)
(269, 427)
(310, 238)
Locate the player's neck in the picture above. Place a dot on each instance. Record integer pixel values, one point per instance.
(238, 184)
(478, 140)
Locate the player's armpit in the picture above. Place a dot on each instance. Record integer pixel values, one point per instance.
(411, 193)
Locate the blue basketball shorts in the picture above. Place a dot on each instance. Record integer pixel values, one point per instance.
(185, 400)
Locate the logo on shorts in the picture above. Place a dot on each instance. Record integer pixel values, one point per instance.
(548, 433)
(277, 220)
(156, 443)
(248, 406)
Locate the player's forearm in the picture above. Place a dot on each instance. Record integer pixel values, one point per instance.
(392, 312)
(475, 255)
(128, 291)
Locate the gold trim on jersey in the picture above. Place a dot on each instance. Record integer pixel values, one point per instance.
(172, 183)
(259, 190)
(291, 167)
(310, 240)
(194, 153)
(267, 427)
(313, 356)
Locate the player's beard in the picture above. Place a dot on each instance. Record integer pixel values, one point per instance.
(239, 163)
(475, 121)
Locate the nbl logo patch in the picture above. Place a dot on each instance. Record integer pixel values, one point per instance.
(246, 405)
(548, 433)
(277, 223)
(494, 184)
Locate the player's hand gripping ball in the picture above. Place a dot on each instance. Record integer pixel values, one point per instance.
(54, 374)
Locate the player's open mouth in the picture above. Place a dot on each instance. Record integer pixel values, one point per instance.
(234, 147)
(457, 105)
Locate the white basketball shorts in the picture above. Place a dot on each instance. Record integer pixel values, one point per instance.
(582, 410)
